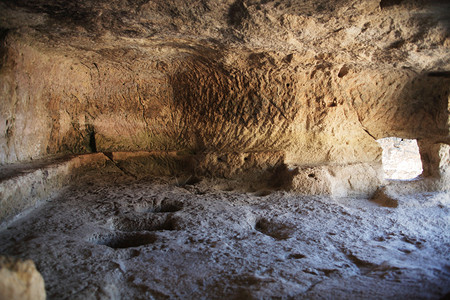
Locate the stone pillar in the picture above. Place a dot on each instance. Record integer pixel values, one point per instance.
(435, 159)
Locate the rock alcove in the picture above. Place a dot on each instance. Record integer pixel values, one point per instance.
(225, 149)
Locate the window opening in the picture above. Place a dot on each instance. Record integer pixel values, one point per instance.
(401, 158)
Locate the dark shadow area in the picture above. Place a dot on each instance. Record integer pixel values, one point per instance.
(343, 71)
(145, 223)
(282, 177)
(168, 206)
(443, 74)
(128, 240)
(388, 3)
(275, 230)
(92, 143)
(237, 13)
(421, 109)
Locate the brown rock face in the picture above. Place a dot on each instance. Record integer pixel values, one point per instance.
(234, 85)
(181, 141)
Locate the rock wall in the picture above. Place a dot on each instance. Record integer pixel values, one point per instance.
(300, 83)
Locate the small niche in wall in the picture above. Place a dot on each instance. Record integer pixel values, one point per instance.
(401, 158)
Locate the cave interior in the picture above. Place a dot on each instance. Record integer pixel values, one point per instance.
(235, 149)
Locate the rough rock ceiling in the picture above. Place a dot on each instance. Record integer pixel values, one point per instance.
(406, 33)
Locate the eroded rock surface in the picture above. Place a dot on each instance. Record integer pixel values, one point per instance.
(113, 237)
(278, 99)
(313, 79)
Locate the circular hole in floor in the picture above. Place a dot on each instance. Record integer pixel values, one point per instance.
(125, 240)
(262, 193)
(278, 231)
(166, 207)
(147, 223)
(296, 255)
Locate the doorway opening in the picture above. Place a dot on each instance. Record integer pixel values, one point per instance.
(401, 158)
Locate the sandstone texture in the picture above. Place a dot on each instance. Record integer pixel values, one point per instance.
(315, 80)
(234, 86)
(19, 280)
(226, 149)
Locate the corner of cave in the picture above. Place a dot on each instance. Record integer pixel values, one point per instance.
(237, 149)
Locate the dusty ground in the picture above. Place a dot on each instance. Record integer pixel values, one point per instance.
(110, 237)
